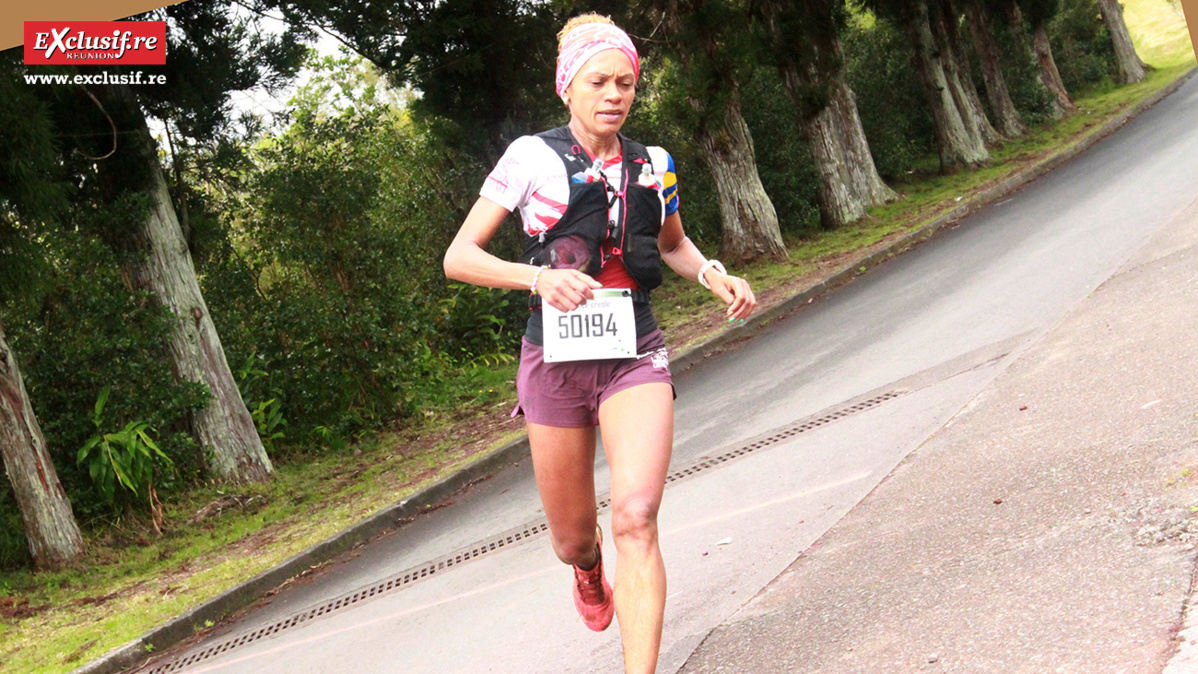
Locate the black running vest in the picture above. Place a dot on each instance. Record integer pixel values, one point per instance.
(578, 239)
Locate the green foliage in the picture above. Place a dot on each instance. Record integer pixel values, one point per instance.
(1081, 45)
(125, 458)
(267, 415)
(332, 278)
(14, 547)
(890, 99)
(31, 187)
(1021, 71)
(214, 51)
(484, 67)
(83, 332)
(475, 322)
(784, 161)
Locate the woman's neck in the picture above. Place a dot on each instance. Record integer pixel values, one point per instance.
(599, 147)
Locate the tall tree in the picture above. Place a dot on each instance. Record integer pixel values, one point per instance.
(1131, 68)
(212, 54)
(803, 38)
(1037, 14)
(702, 37)
(945, 28)
(30, 192)
(161, 263)
(1007, 120)
(50, 527)
(959, 138)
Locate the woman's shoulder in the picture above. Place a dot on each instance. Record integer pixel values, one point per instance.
(660, 157)
(527, 150)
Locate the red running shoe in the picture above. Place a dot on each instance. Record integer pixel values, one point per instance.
(592, 594)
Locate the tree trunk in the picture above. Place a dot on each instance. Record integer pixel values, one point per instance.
(849, 184)
(808, 56)
(944, 28)
(960, 143)
(224, 428)
(50, 527)
(1050, 77)
(1131, 68)
(750, 221)
(1007, 119)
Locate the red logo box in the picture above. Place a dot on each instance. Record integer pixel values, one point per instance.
(95, 42)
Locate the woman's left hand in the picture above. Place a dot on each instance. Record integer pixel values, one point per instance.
(735, 292)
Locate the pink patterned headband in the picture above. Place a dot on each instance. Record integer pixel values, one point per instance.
(586, 40)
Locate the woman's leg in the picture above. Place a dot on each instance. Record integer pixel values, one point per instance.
(563, 460)
(638, 437)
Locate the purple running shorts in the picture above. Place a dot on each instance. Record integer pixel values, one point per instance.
(569, 393)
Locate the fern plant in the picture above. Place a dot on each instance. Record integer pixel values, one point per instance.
(124, 459)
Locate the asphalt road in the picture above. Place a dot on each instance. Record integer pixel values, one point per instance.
(776, 440)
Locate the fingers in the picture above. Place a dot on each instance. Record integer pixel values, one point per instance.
(735, 291)
(566, 289)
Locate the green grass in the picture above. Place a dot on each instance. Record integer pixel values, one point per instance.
(1158, 28)
(132, 581)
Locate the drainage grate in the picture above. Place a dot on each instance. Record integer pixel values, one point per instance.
(784, 433)
(773, 437)
(506, 539)
(516, 535)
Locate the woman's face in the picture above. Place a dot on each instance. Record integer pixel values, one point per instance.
(602, 92)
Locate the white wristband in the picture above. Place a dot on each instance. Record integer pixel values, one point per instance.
(708, 265)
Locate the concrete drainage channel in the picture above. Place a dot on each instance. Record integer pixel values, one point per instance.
(515, 536)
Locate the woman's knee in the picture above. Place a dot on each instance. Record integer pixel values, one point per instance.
(634, 521)
(575, 548)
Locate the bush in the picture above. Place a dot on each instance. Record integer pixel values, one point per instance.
(1081, 45)
(86, 331)
(333, 277)
(14, 547)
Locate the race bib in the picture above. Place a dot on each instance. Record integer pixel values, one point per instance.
(602, 328)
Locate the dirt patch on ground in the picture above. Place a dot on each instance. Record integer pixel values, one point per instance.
(225, 503)
(19, 608)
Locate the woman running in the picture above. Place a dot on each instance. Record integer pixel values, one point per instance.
(600, 212)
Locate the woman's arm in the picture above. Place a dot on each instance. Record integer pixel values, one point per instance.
(467, 260)
(683, 257)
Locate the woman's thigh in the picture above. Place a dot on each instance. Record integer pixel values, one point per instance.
(563, 460)
(638, 437)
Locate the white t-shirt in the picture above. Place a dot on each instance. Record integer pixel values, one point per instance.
(532, 178)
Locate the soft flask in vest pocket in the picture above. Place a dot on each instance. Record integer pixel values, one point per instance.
(574, 242)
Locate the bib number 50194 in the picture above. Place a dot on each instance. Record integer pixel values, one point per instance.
(602, 328)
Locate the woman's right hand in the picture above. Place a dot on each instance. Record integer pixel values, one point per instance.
(566, 289)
